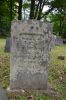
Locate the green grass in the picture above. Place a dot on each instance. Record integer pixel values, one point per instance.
(56, 72)
(4, 65)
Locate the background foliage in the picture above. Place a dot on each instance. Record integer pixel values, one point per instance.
(33, 9)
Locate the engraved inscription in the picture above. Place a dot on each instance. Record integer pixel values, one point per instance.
(30, 50)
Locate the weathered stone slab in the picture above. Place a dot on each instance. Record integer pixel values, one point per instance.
(3, 94)
(56, 40)
(8, 45)
(59, 40)
(29, 55)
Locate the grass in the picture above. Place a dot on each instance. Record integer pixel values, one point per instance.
(4, 65)
(56, 72)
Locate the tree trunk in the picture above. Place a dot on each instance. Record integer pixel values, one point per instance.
(10, 10)
(40, 10)
(20, 10)
(32, 9)
(61, 28)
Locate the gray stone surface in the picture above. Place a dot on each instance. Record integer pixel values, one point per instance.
(8, 44)
(29, 54)
(3, 94)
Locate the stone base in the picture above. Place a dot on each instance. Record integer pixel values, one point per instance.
(49, 91)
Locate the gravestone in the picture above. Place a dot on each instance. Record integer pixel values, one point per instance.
(29, 54)
(56, 40)
(8, 45)
(3, 94)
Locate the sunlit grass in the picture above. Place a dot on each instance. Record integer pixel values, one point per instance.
(57, 70)
(4, 65)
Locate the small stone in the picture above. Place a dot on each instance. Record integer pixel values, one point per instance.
(30, 98)
(60, 78)
(61, 57)
(59, 73)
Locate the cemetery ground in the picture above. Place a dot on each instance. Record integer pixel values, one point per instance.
(56, 72)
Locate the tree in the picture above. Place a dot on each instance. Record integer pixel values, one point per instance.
(20, 9)
(7, 13)
(37, 8)
(32, 8)
(58, 17)
(35, 11)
